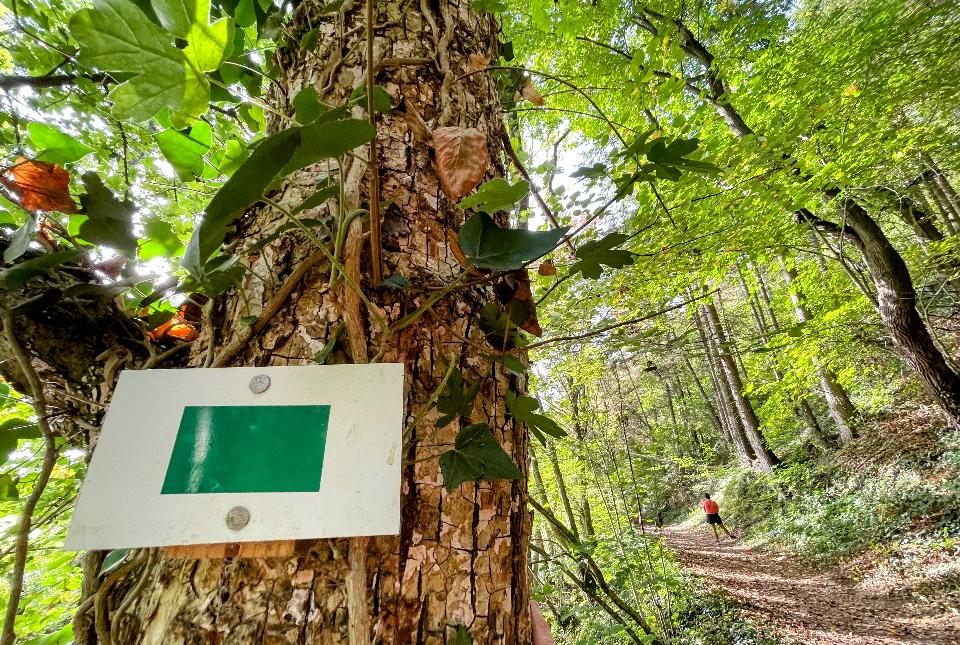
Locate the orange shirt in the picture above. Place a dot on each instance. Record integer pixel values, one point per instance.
(710, 507)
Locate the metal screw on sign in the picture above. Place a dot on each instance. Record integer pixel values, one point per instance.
(237, 518)
(259, 383)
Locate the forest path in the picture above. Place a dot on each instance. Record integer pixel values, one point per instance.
(813, 608)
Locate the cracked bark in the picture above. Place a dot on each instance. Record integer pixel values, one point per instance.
(461, 558)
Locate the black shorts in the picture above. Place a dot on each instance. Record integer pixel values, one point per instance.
(714, 518)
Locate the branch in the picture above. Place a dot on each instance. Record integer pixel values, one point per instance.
(57, 80)
(49, 461)
(605, 329)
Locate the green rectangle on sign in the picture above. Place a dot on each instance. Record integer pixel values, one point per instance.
(248, 449)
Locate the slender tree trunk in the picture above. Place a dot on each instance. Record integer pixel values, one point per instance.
(461, 559)
(766, 459)
(707, 400)
(801, 408)
(841, 408)
(895, 290)
(730, 413)
(562, 489)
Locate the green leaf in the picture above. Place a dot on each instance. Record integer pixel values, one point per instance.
(63, 636)
(510, 362)
(381, 99)
(396, 281)
(596, 171)
(244, 14)
(455, 401)
(234, 154)
(319, 198)
(178, 16)
(488, 246)
(462, 637)
(326, 140)
(522, 408)
(244, 187)
(185, 152)
(209, 45)
(20, 241)
(593, 255)
(321, 357)
(307, 106)
(115, 35)
(108, 218)
(160, 241)
(8, 443)
(670, 157)
(8, 489)
(496, 195)
(55, 146)
(20, 429)
(19, 274)
(500, 331)
(476, 456)
(113, 560)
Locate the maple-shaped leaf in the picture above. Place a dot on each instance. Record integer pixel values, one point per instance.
(477, 455)
(462, 159)
(595, 254)
(456, 401)
(41, 186)
(522, 408)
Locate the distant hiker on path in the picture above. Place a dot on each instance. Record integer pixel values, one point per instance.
(712, 510)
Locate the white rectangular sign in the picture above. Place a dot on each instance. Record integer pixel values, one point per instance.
(315, 454)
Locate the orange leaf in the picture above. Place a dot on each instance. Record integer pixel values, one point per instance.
(547, 268)
(41, 186)
(477, 62)
(529, 92)
(462, 159)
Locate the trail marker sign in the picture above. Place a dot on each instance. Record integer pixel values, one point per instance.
(230, 455)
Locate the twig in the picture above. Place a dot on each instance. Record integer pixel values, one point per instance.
(374, 164)
(49, 461)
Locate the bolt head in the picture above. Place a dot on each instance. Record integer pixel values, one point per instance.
(237, 518)
(259, 383)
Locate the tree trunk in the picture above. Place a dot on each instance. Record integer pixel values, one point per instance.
(461, 558)
(898, 309)
(841, 408)
(728, 406)
(802, 408)
(766, 459)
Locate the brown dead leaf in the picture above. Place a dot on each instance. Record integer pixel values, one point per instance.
(41, 186)
(530, 92)
(477, 62)
(462, 159)
(547, 268)
(513, 291)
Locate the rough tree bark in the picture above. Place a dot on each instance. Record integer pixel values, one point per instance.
(766, 459)
(461, 558)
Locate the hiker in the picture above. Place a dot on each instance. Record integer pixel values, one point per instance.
(712, 510)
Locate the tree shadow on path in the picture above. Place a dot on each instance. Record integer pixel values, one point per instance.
(814, 608)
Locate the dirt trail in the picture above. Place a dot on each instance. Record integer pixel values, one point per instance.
(802, 606)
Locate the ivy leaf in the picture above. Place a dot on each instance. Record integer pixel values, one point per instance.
(522, 408)
(112, 560)
(510, 362)
(462, 637)
(496, 195)
(321, 357)
(396, 281)
(487, 246)
(244, 187)
(8, 489)
(593, 255)
(381, 98)
(499, 330)
(20, 274)
(307, 106)
(108, 218)
(462, 159)
(161, 241)
(8, 443)
(328, 139)
(476, 456)
(185, 151)
(55, 146)
(455, 401)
